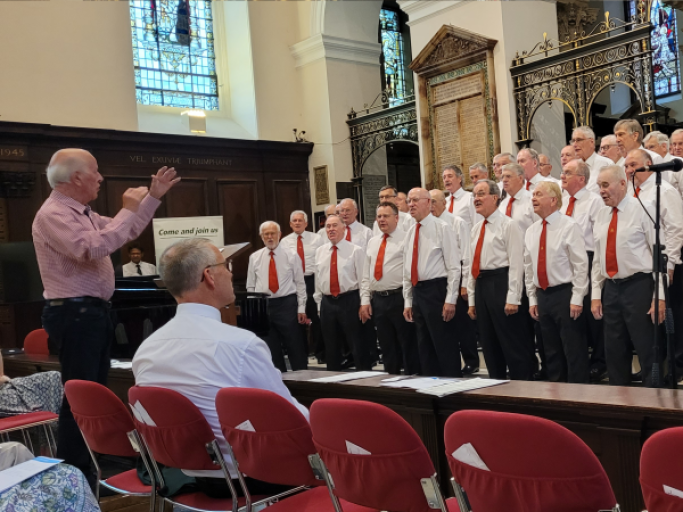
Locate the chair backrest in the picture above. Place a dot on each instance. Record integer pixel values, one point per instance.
(180, 433)
(535, 465)
(277, 449)
(35, 343)
(659, 467)
(102, 417)
(388, 478)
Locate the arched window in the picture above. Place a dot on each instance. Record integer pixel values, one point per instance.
(173, 53)
(664, 40)
(393, 57)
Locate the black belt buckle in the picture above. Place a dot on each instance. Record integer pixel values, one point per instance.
(383, 293)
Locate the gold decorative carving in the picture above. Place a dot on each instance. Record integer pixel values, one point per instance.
(322, 190)
(572, 18)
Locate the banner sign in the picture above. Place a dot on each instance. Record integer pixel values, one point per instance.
(173, 229)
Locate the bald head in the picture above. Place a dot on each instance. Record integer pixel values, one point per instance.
(438, 202)
(419, 202)
(73, 172)
(331, 210)
(348, 211)
(612, 184)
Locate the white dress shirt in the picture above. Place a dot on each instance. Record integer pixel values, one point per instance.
(656, 159)
(535, 180)
(311, 242)
(392, 269)
(554, 180)
(503, 247)
(131, 270)
(349, 268)
(462, 233)
(196, 355)
(635, 238)
(675, 178)
(671, 213)
(586, 209)
(463, 206)
(322, 233)
(438, 256)
(596, 162)
(402, 217)
(565, 256)
(360, 234)
(522, 209)
(290, 275)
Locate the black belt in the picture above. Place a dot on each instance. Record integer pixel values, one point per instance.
(637, 275)
(386, 293)
(427, 282)
(341, 295)
(551, 289)
(492, 272)
(95, 301)
(284, 297)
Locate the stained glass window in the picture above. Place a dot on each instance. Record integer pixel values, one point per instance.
(665, 65)
(173, 54)
(393, 67)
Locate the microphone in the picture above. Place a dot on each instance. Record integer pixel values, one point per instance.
(674, 165)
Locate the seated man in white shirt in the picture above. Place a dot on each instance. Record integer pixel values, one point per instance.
(137, 267)
(196, 354)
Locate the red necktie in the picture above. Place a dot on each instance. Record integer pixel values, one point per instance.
(611, 250)
(541, 269)
(637, 192)
(450, 208)
(528, 184)
(508, 211)
(379, 264)
(570, 208)
(334, 277)
(413, 267)
(273, 283)
(476, 261)
(300, 251)
(348, 234)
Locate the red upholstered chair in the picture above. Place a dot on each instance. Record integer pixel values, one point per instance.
(105, 423)
(277, 450)
(535, 465)
(23, 422)
(659, 467)
(182, 438)
(397, 473)
(35, 343)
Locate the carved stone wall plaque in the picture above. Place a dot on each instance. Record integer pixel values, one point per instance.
(322, 190)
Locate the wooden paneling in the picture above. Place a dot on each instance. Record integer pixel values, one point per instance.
(188, 198)
(286, 195)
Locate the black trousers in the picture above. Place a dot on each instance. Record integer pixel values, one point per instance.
(312, 314)
(396, 336)
(504, 339)
(83, 334)
(593, 328)
(467, 333)
(564, 338)
(285, 330)
(437, 341)
(534, 333)
(625, 304)
(339, 320)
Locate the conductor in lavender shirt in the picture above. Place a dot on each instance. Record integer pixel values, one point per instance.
(73, 245)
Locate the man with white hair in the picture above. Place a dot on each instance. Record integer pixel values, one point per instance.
(517, 204)
(567, 154)
(329, 210)
(659, 143)
(623, 284)
(583, 142)
(478, 171)
(610, 149)
(73, 245)
(459, 201)
(278, 272)
(556, 270)
(528, 159)
(499, 161)
(546, 168)
(304, 243)
(629, 136)
(402, 202)
(356, 232)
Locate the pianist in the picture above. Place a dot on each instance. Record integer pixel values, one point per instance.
(73, 245)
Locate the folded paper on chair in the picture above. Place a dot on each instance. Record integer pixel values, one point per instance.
(246, 425)
(468, 455)
(354, 449)
(672, 491)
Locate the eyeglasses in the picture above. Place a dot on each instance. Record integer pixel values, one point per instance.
(545, 165)
(411, 201)
(386, 197)
(606, 146)
(227, 264)
(565, 173)
(575, 141)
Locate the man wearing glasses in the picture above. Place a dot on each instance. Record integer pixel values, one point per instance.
(196, 354)
(583, 142)
(388, 194)
(610, 149)
(546, 168)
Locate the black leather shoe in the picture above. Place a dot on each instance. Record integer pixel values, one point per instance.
(597, 375)
(469, 370)
(347, 363)
(637, 377)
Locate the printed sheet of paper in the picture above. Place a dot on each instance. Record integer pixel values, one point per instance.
(348, 376)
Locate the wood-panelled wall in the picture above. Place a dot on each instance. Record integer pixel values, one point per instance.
(247, 182)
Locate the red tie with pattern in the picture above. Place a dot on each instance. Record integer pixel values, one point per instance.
(541, 269)
(570, 208)
(508, 210)
(348, 234)
(611, 250)
(273, 283)
(334, 277)
(450, 208)
(476, 261)
(300, 251)
(637, 192)
(528, 184)
(413, 267)
(379, 264)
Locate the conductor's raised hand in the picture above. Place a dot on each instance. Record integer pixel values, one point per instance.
(133, 197)
(162, 182)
